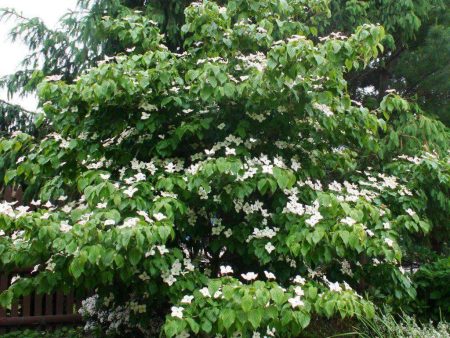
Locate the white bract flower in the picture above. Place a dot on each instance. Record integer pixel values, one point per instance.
(65, 227)
(187, 299)
(224, 270)
(162, 249)
(389, 242)
(130, 191)
(249, 276)
(269, 275)
(348, 220)
(314, 219)
(299, 280)
(105, 176)
(299, 291)
(230, 151)
(228, 233)
(15, 279)
(335, 287)
(410, 212)
(110, 222)
(295, 302)
(177, 312)
(159, 216)
(101, 205)
(269, 247)
(205, 292)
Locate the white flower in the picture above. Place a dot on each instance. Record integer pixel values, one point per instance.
(224, 270)
(205, 292)
(101, 205)
(269, 247)
(387, 225)
(139, 177)
(110, 222)
(183, 334)
(15, 279)
(65, 227)
(217, 294)
(269, 275)
(130, 191)
(295, 302)
(221, 126)
(159, 216)
(348, 220)
(410, 212)
(299, 280)
(335, 287)
(249, 276)
(228, 233)
(271, 331)
(370, 233)
(389, 242)
(299, 291)
(230, 151)
(105, 176)
(187, 299)
(314, 219)
(130, 222)
(36, 203)
(162, 249)
(177, 312)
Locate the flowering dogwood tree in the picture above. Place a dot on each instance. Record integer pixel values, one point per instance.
(230, 188)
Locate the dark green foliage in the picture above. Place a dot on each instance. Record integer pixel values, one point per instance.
(433, 291)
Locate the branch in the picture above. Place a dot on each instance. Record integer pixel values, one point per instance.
(16, 106)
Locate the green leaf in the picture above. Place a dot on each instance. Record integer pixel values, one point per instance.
(76, 267)
(284, 177)
(135, 256)
(228, 89)
(10, 175)
(247, 303)
(277, 295)
(206, 325)
(228, 317)
(255, 317)
(193, 324)
(312, 292)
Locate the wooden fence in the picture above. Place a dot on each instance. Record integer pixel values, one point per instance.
(43, 310)
(36, 309)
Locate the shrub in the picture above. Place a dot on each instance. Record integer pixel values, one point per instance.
(229, 188)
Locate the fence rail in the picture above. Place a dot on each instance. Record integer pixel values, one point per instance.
(36, 309)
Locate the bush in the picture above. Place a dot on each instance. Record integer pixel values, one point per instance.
(433, 290)
(228, 188)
